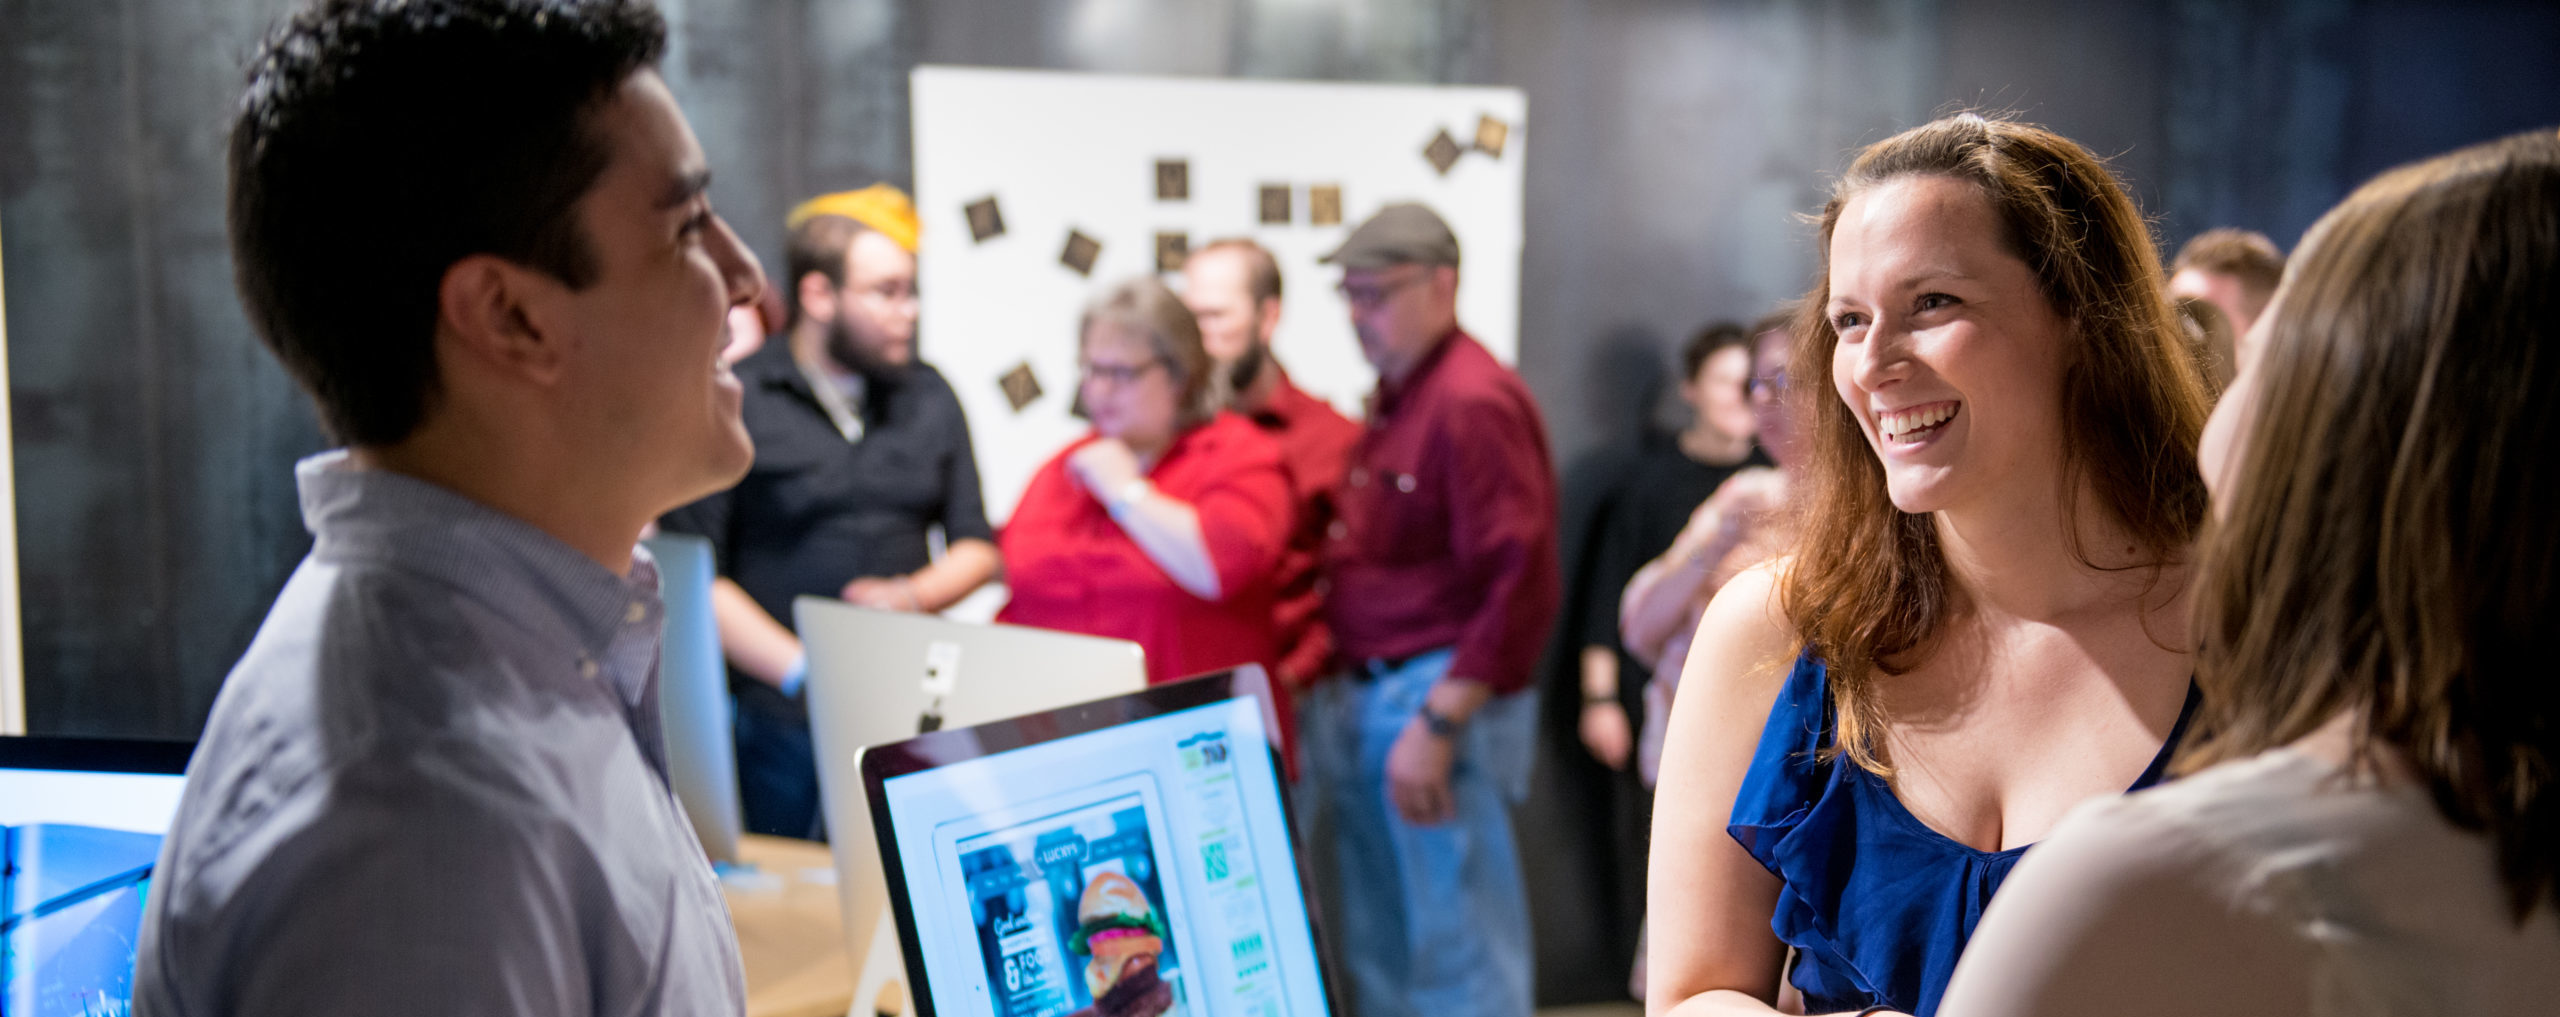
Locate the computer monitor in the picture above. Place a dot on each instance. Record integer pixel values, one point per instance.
(881, 676)
(81, 821)
(693, 696)
(1129, 857)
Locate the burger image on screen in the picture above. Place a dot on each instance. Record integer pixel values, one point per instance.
(1119, 931)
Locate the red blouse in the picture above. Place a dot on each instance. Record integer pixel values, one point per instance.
(1072, 569)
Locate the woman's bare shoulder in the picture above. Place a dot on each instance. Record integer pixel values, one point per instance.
(1746, 626)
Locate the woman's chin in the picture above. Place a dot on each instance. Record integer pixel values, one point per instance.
(1917, 495)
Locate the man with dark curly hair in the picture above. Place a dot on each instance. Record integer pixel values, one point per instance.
(477, 233)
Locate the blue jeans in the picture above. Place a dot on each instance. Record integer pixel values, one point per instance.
(1433, 921)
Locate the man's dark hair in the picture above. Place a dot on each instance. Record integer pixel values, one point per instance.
(819, 244)
(379, 142)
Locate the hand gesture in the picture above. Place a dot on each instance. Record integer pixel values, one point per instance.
(1103, 467)
(1608, 733)
(882, 593)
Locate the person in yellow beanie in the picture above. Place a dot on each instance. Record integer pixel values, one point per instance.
(861, 450)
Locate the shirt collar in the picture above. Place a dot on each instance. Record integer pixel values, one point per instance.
(1287, 399)
(1384, 401)
(526, 574)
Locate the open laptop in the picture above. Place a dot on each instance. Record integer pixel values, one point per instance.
(81, 820)
(881, 676)
(693, 696)
(1128, 857)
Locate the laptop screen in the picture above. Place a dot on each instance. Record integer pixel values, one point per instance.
(1141, 867)
(80, 829)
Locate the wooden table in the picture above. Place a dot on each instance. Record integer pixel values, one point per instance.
(790, 929)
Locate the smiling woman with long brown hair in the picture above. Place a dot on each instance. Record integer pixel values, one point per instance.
(1980, 626)
(2375, 827)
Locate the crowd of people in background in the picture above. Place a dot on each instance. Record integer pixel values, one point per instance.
(2224, 581)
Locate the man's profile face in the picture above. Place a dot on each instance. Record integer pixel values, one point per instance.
(1399, 311)
(643, 383)
(1221, 298)
(875, 323)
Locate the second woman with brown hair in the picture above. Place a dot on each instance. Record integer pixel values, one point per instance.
(1980, 625)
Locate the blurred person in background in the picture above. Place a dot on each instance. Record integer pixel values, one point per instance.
(1594, 687)
(1673, 482)
(1744, 523)
(1232, 287)
(1443, 591)
(2236, 270)
(1165, 524)
(862, 454)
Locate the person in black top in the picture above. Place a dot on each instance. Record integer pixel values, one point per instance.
(861, 452)
(1672, 475)
(1635, 498)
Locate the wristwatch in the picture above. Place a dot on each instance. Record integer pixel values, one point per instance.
(1439, 724)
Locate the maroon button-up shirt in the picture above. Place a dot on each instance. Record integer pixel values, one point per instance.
(1315, 444)
(1447, 534)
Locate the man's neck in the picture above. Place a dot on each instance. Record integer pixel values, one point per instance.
(558, 498)
(809, 348)
(1401, 374)
(1266, 385)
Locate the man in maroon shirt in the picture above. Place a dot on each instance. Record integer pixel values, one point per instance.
(1442, 583)
(1233, 288)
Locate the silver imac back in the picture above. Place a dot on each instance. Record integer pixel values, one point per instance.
(881, 676)
(693, 696)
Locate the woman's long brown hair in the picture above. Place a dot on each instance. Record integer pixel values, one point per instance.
(2390, 542)
(1868, 586)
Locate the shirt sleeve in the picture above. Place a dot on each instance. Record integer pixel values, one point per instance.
(1244, 514)
(2120, 912)
(1502, 521)
(964, 506)
(424, 907)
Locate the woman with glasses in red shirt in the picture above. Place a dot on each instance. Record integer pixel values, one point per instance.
(1164, 524)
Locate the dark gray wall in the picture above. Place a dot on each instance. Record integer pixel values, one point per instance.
(1670, 146)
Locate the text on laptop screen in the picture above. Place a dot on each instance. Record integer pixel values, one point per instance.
(1144, 866)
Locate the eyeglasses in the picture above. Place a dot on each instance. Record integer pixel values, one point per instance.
(1365, 298)
(1117, 374)
(1774, 382)
(891, 292)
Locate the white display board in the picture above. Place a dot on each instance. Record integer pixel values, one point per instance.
(1061, 152)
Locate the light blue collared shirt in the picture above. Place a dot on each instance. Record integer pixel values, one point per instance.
(436, 784)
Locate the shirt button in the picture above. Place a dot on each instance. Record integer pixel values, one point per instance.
(636, 612)
(1339, 530)
(586, 668)
(1404, 482)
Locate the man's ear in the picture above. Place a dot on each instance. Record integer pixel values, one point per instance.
(1444, 280)
(817, 296)
(1266, 320)
(498, 314)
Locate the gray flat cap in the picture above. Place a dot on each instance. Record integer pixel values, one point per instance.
(1401, 234)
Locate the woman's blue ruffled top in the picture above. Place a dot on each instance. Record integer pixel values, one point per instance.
(1876, 904)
